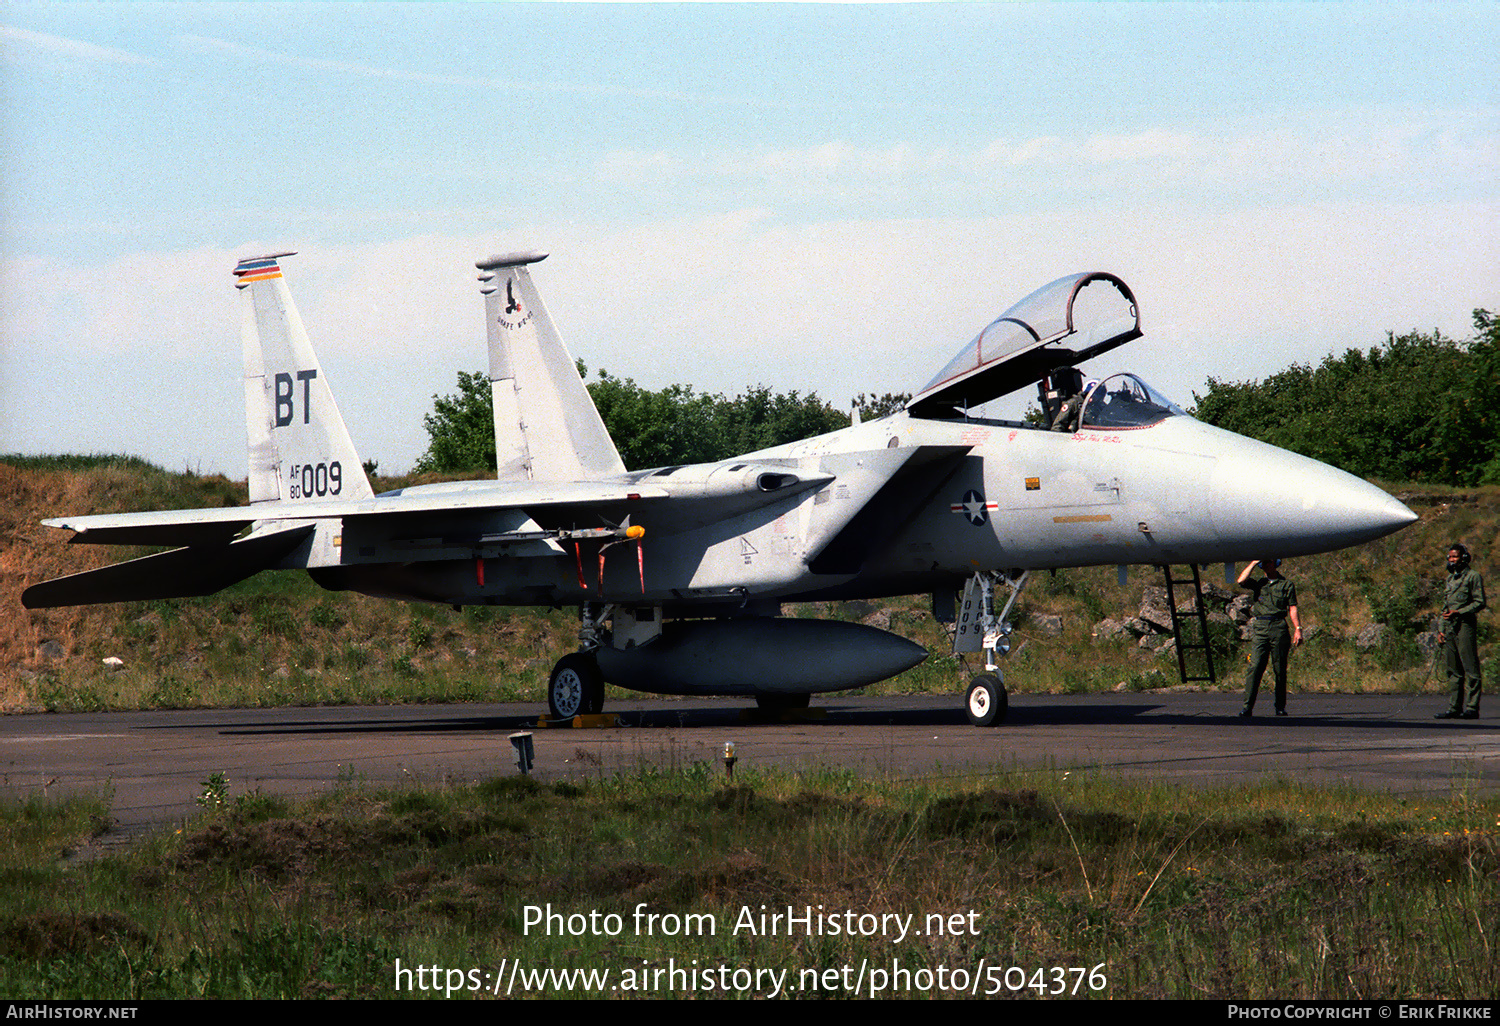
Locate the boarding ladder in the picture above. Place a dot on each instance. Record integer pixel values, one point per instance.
(1200, 614)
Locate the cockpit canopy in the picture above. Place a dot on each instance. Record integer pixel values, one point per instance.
(1092, 312)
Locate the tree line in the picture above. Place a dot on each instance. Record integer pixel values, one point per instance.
(671, 426)
(1418, 408)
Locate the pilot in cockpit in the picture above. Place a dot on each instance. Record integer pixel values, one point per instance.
(1061, 394)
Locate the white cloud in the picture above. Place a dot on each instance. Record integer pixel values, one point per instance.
(25, 44)
(1149, 145)
(1431, 153)
(159, 299)
(360, 69)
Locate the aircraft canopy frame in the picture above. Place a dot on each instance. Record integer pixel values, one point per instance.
(1022, 345)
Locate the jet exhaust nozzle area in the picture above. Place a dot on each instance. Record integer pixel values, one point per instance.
(759, 656)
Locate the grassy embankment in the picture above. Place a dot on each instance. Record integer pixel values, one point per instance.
(278, 639)
(1150, 891)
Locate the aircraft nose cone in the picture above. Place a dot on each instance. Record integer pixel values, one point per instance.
(1290, 505)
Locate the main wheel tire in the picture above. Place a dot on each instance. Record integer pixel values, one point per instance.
(986, 702)
(575, 687)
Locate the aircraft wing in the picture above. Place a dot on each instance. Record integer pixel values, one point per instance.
(1062, 324)
(433, 518)
(429, 522)
(219, 526)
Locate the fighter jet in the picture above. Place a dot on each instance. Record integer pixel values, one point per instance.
(679, 573)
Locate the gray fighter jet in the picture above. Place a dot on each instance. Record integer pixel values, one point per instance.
(679, 573)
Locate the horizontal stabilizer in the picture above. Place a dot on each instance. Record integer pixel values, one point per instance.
(180, 573)
(182, 532)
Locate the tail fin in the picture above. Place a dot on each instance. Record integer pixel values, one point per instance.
(299, 447)
(546, 426)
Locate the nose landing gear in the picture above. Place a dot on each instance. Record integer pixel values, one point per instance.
(980, 629)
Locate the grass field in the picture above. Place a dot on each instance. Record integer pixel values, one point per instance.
(663, 882)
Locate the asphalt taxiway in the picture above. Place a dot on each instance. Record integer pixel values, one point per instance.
(155, 763)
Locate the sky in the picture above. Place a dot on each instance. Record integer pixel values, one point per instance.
(819, 198)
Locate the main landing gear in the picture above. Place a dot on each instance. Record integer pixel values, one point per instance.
(575, 688)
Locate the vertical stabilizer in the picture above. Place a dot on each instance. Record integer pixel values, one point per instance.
(299, 447)
(546, 426)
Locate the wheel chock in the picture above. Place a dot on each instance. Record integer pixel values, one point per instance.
(593, 721)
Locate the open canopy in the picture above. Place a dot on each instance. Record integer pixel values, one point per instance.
(1059, 325)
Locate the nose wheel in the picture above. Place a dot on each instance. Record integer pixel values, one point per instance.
(986, 702)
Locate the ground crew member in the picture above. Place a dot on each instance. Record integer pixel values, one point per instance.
(1274, 603)
(1463, 598)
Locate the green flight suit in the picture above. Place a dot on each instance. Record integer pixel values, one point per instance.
(1464, 597)
(1270, 636)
